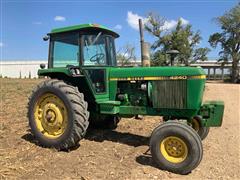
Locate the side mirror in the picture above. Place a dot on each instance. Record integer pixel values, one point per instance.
(42, 66)
(46, 38)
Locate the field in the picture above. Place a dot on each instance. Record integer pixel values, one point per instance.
(105, 154)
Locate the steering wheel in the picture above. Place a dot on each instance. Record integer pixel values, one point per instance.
(97, 57)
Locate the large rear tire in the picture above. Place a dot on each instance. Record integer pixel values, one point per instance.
(57, 114)
(176, 147)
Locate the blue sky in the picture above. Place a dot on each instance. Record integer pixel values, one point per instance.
(25, 22)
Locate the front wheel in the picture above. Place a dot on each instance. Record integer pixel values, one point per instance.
(176, 147)
(201, 130)
(57, 114)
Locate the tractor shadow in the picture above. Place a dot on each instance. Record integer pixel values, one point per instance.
(30, 138)
(124, 138)
(146, 160)
(99, 135)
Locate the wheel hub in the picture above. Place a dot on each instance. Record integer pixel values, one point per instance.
(50, 115)
(174, 149)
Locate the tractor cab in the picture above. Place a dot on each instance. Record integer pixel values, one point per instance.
(83, 45)
(84, 50)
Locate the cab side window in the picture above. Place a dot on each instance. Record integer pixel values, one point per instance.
(65, 50)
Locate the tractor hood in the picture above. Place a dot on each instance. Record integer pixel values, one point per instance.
(149, 73)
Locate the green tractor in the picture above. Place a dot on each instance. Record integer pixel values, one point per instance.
(85, 86)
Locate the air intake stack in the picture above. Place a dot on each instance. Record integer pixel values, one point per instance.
(145, 56)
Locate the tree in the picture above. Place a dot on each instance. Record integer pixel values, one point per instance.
(126, 55)
(158, 58)
(201, 54)
(181, 38)
(229, 39)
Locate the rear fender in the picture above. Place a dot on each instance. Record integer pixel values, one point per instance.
(70, 71)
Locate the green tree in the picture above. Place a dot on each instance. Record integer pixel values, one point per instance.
(201, 54)
(126, 55)
(159, 58)
(229, 39)
(181, 38)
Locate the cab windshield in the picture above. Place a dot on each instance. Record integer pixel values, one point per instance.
(87, 50)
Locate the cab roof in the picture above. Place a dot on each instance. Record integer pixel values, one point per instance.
(85, 27)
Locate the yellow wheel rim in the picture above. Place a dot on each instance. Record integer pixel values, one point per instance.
(174, 149)
(195, 125)
(50, 115)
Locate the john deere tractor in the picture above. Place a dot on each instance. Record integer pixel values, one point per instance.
(85, 86)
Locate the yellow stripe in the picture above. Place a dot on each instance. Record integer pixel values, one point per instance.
(158, 78)
(199, 77)
(155, 78)
(113, 79)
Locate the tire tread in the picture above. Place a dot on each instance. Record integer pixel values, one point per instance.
(81, 115)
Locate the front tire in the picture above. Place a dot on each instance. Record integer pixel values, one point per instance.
(57, 114)
(176, 147)
(202, 131)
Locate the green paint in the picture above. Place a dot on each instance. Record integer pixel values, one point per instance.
(195, 93)
(47, 72)
(212, 113)
(83, 27)
(155, 71)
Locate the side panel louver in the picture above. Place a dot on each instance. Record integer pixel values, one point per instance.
(169, 94)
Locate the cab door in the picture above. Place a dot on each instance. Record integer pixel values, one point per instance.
(94, 62)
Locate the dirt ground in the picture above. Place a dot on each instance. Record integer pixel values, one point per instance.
(106, 154)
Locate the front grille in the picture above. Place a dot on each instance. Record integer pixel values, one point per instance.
(169, 94)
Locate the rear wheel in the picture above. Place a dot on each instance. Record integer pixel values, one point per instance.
(176, 147)
(104, 121)
(201, 130)
(112, 122)
(57, 114)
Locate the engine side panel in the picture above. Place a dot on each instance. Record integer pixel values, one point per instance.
(169, 94)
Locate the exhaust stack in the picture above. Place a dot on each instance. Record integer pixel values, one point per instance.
(145, 56)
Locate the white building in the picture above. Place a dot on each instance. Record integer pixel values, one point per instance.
(17, 69)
